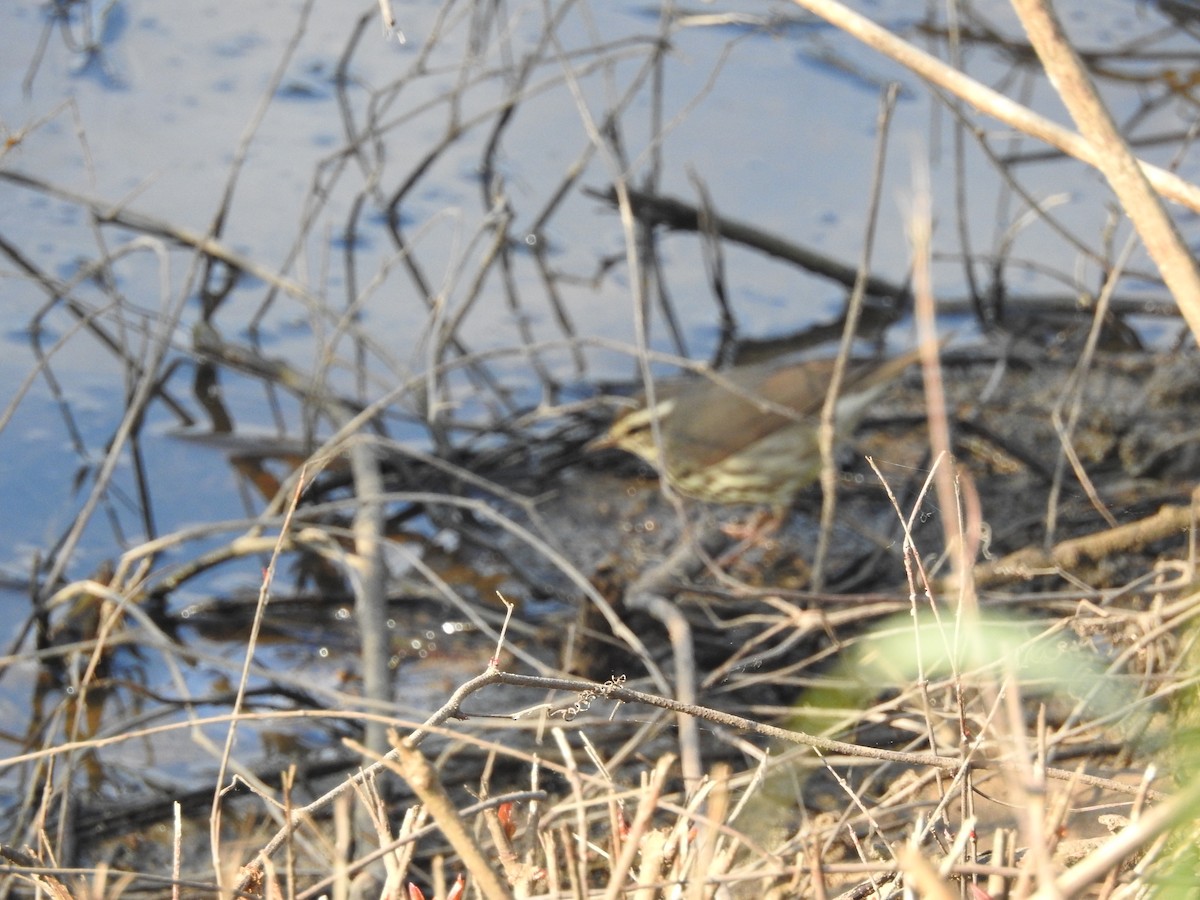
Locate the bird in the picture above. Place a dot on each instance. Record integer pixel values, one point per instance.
(750, 436)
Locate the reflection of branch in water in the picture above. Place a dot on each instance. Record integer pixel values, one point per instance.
(207, 389)
(211, 347)
(58, 290)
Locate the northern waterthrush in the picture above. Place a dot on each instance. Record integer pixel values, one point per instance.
(751, 437)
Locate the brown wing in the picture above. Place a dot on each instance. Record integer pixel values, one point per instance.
(714, 420)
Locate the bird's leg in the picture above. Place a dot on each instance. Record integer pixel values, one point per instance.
(750, 533)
